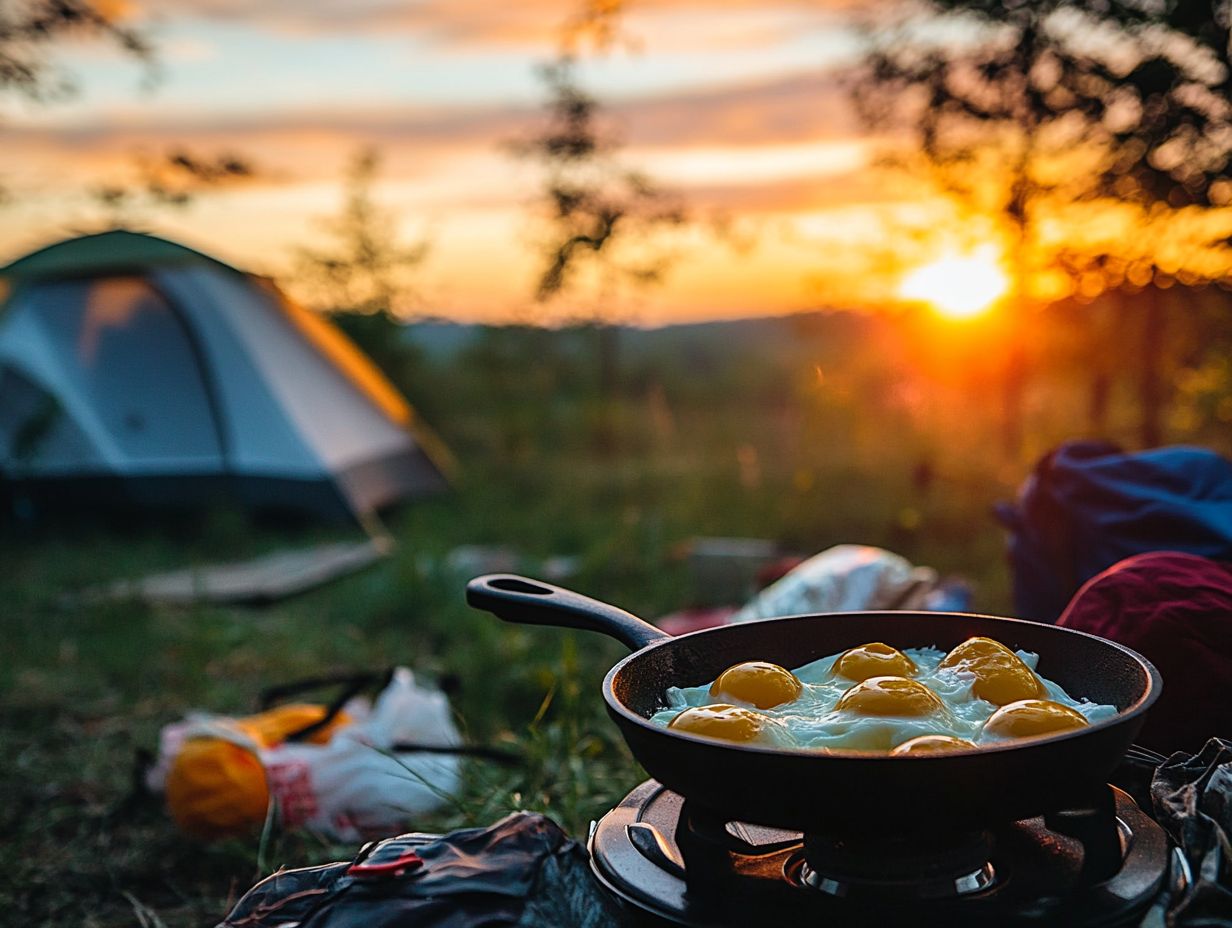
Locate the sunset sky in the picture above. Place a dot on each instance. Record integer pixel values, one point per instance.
(736, 105)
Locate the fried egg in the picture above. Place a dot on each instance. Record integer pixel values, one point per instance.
(759, 683)
(931, 744)
(729, 723)
(878, 698)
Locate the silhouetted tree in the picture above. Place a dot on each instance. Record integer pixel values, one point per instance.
(1169, 118)
(365, 267)
(600, 215)
(1026, 110)
(364, 275)
(174, 179)
(29, 31)
(30, 28)
(603, 221)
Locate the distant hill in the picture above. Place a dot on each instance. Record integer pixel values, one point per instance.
(444, 340)
(439, 338)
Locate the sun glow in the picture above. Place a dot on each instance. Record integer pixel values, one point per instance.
(958, 286)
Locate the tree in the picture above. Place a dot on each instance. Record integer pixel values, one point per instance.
(174, 179)
(29, 29)
(364, 275)
(365, 269)
(602, 221)
(1168, 158)
(601, 216)
(1045, 114)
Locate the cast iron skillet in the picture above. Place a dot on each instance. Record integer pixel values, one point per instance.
(812, 791)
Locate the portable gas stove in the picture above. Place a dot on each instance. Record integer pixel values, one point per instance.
(1103, 863)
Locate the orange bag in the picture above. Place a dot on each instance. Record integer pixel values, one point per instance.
(217, 786)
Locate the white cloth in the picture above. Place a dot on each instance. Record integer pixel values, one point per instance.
(844, 578)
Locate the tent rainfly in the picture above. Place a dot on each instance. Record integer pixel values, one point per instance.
(138, 372)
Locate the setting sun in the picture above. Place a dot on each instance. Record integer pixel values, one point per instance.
(958, 286)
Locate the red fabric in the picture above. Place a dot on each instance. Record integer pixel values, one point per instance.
(692, 620)
(1176, 609)
(777, 570)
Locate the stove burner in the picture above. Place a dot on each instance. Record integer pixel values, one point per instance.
(938, 888)
(909, 867)
(1100, 865)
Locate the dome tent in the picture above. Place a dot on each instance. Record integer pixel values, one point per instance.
(136, 371)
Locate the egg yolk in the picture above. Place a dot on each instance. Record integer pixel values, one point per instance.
(1000, 675)
(1030, 717)
(728, 723)
(889, 696)
(874, 660)
(758, 683)
(974, 649)
(931, 744)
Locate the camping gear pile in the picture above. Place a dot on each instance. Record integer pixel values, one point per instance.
(138, 373)
(1088, 505)
(348, 771)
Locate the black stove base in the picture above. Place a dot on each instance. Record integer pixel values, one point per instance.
(1091, 867)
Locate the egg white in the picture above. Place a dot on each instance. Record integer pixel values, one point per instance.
(811, 722)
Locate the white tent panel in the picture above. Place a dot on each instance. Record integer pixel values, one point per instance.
(335, 420)
(260, 437)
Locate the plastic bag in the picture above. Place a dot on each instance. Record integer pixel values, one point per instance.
(390, 763)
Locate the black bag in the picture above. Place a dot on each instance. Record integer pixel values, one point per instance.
(522, 871)
(1193, 801)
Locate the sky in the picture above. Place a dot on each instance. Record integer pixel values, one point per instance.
(737, 107)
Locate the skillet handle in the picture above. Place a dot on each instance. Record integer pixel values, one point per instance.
(532, 602)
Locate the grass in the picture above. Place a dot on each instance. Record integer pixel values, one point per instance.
(546, 470)
(86, 687)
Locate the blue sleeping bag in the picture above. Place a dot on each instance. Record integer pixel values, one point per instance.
(1088, 505)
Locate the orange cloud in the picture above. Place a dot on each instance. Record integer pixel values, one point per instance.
(527, 23)
(798, 110)
(772, 151)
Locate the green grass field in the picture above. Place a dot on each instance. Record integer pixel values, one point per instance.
(545, 468)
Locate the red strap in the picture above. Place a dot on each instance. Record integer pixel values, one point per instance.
(408, 860)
